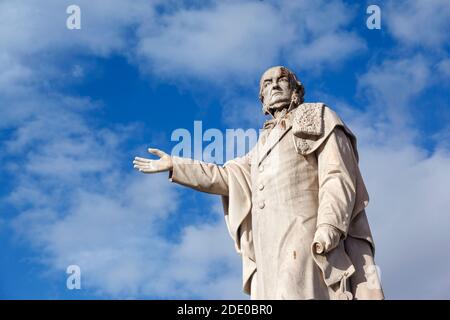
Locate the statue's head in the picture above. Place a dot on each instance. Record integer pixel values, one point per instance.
(279, 88)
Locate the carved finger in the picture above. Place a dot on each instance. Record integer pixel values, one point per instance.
(146, 166)
(149, 170)
(141, 159)
(142, 163)
(152, 166)
(157, 152)
(138, 167)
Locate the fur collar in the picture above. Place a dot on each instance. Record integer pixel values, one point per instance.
(308, 120)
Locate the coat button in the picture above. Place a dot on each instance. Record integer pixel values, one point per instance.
(261, 168)
(261, 186)
(262, 205)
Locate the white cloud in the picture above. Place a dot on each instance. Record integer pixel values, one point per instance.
(408, 184)
(74, 203)
(236, 40)
(11, 71)
(210, 266)
(243, 113)
(390, 86)
(107, 234)
(409, 205)
(322, 37)
(419, 23)
(29, 27)
(328, 49)
(409, 214)
(444, 68)
(76, 206)
(116, 238)
(230, 40)
(70, 194)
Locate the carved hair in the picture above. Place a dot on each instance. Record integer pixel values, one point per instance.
(297, 96)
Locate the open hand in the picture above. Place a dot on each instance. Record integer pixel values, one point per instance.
(164, 163)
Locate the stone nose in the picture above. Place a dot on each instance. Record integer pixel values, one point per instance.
(276, 85)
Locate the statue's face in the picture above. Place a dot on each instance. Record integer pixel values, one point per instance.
(276, 88)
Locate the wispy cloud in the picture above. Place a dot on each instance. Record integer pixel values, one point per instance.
(409, 209)
(211, 45)
(72, 200)
(420, 23)
(390, 87)
(76, 205)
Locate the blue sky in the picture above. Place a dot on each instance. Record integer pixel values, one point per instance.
(76, 106)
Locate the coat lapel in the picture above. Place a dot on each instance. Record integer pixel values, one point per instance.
(272, 139)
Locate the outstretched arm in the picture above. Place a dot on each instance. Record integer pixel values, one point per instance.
(198, 175)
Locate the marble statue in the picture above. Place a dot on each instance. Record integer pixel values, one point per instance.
(295, 204)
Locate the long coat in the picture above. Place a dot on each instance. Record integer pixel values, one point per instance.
(302, 173)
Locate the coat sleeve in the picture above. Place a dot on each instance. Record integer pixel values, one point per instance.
(202, 176)
(337, 168)
(199, 175)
